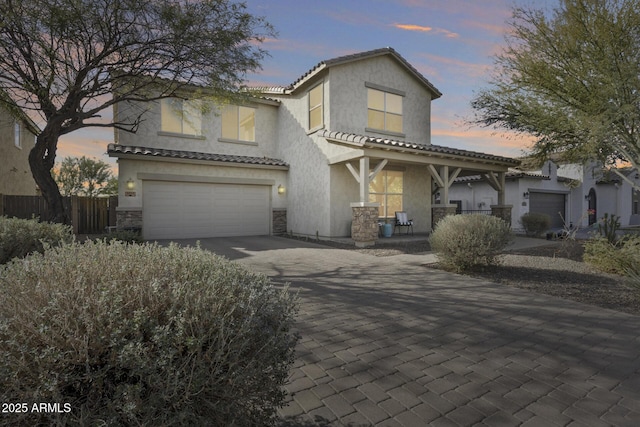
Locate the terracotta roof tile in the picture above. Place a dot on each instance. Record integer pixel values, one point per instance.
(400, 145)
(114, 150)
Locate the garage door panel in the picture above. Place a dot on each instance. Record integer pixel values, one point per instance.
(552, 204)
(191, 210)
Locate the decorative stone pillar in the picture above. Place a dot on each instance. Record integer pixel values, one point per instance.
(129, 219)
(364, 223)
(502, 211)
(440, 211)
(279, 222)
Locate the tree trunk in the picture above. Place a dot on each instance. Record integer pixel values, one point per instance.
(41, 160)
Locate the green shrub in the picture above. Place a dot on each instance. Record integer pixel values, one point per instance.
(622, 257)
(126, 236)
(608, 227)
(535, 223)
(465, 241)
(20, 237)
(142, 335)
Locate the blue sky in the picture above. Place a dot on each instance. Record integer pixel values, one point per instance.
(451, 42)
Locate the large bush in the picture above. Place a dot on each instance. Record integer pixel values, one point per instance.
(535, 223)
(142, 335)
(20, 237)
(466, 241)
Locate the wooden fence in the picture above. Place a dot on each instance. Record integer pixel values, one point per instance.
(89, 215)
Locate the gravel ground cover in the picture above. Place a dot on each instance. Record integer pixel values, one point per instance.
(556, 270)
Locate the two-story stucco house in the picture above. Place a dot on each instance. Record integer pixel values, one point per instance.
(345, 145)
(17, 137)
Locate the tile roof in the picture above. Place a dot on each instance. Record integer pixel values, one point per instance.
(116, 150)
(511, 175)
(402, 145)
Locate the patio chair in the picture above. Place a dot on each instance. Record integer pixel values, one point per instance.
(402, 221)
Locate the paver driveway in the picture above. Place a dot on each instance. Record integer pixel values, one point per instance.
(388, 342)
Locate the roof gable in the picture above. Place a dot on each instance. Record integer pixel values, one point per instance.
(341, 60)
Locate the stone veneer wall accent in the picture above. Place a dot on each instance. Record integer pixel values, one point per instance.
(129, 219)
(364, 225)
(502, 211)
(440, 211)
(279, 221)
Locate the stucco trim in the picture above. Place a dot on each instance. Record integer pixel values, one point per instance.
(237, 141)
(203, 179)
(385, 89)
(181, 135)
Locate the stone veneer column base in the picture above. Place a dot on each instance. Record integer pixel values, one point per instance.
(364, 223)
(129, 219)
(502, 211)
(279, 222)
(440, 211)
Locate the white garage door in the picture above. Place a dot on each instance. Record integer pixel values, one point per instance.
(173, 210)
(552, 204)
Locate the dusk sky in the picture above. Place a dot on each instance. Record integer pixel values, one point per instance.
(451, 42)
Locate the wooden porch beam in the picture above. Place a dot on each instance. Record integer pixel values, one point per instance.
(377, 169)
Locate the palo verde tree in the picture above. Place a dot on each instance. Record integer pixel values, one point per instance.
(71, 61)
(571, 78)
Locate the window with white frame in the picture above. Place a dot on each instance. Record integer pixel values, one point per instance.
(387, 189)
(384, 110)
(239, 123)
(16, 135)
(181, 116)
(316, 96)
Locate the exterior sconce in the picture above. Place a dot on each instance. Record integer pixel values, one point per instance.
(525, 194)
(130, 184)
(281, 189)
(587, 198)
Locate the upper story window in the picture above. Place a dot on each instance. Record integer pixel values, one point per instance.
(387, 189)
(239, 123)
(384, 110)
(181, 116)
(16, 135)
(316, 117)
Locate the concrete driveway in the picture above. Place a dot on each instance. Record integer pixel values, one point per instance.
(389, 342)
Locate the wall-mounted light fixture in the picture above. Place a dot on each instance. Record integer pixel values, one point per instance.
(587, 197)
(131, 184)
(525, 194)
(281, 189)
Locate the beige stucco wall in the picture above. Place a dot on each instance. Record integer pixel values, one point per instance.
(15, 173)
(349, 97)
(136, 170)
(149, 135)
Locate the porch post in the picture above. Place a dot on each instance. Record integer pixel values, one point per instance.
(501, 210)
(364, 214)
(444, 180)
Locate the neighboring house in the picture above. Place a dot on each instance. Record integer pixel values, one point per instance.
(571, 194)
(17, 138)
(346, 144)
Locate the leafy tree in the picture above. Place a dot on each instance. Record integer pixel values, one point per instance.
(571, 78)
(70, 60)
(84, 177)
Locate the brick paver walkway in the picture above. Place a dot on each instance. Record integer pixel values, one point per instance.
(388, 342)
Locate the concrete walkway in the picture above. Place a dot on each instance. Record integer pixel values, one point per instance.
(389, 342)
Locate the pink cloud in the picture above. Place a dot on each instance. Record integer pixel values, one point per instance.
(414, 27)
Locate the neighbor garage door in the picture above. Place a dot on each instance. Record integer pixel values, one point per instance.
(173, 210)
(550, 204)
